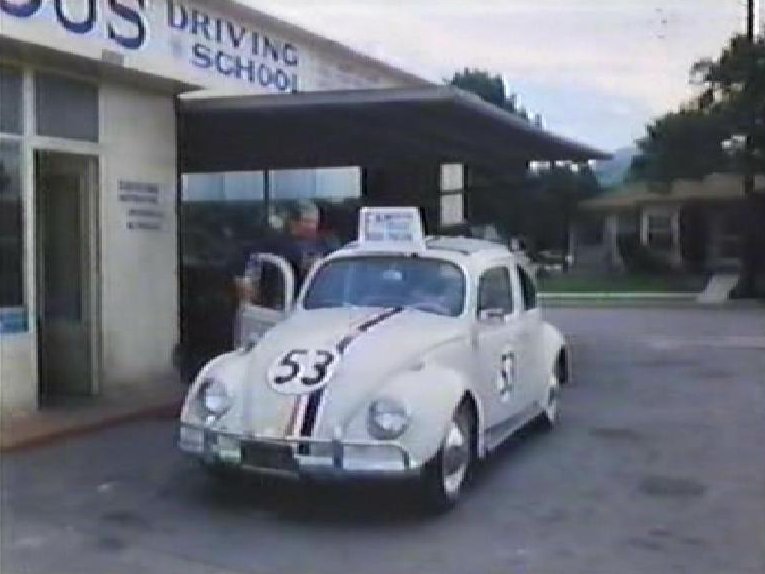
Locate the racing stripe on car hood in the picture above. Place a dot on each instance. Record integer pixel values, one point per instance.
(312, 409)
(366, 326)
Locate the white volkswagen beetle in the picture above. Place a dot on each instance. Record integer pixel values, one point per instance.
(403, 356)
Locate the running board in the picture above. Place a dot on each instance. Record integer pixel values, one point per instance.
(500, 432)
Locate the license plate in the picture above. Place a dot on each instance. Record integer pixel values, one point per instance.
(269, 456)
(228, 449)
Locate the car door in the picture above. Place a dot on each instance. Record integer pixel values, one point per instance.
(267, 292)
(531, 379)
(495, 345)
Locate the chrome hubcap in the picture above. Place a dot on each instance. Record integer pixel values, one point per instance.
(456, 457)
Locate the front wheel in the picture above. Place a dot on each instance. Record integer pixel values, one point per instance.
(444, 476)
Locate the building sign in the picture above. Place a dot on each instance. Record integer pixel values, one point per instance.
(177, 35)
(232, 49)
(142, 209)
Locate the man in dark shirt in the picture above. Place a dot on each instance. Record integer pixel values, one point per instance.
(301, 244)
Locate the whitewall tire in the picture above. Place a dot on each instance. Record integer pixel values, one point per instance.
(445, 475)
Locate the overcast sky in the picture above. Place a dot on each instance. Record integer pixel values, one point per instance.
(597, 70)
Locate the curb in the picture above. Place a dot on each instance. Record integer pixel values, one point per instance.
(618, 299)
(169, 410)
(650, 304)
(620, 295)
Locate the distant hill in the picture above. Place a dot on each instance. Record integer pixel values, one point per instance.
(612, 173)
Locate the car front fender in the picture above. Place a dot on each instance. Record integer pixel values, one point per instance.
(229, 368)
(430, 394)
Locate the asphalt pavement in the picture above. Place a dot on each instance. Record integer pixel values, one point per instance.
(658, 465)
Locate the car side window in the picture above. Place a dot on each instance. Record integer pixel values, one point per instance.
(494, 291)
(528, 289)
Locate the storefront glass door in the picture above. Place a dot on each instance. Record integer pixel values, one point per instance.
(64, 186)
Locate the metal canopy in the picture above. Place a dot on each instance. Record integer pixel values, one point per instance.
(438, 124)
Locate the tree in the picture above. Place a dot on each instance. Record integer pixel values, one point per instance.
(689, 143)
(682, 145)
(490, 88)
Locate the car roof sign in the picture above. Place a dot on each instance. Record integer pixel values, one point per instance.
(390, 229)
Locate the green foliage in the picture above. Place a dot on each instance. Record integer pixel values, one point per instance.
(538, 208)
(641, 259)
(688, 143)
(573, 184)
(736, 78)
(490, 88)
(684, 144)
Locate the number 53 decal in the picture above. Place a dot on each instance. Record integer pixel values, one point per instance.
(506, 375)
(301, 371)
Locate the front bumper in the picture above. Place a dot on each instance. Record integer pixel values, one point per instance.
(295, 457)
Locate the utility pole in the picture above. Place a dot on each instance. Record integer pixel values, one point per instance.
(747, 285)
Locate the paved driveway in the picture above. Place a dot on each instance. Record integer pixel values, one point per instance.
(658, 466)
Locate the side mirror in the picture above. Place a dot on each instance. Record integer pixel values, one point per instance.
(492, 315)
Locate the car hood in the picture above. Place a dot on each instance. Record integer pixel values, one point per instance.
(373, 345)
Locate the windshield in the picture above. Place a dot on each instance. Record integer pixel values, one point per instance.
(430, 285)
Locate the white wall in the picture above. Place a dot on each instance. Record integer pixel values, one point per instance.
(139, 267)
(18, 379)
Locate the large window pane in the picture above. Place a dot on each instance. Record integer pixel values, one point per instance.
(452, 177)
(66, 108)
(329, 184)
(452, 208)
(222, 214)
(11, 242)
(10, 100)
(335, 192)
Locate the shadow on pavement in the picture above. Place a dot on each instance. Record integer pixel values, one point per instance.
(367, 503)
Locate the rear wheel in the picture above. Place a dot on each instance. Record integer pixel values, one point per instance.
(551, 406)
(444, 476)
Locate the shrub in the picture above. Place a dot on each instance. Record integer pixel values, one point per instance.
(640, 259)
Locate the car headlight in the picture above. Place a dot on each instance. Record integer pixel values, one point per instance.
(388, 419)
(213, 397)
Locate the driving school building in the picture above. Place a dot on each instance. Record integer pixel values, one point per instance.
(94, 137)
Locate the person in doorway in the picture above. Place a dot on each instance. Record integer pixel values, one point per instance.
(306, 242)
(300, 241)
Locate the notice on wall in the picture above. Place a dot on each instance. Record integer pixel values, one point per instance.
(142, 208)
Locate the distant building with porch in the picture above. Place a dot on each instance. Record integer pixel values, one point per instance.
(687, 225)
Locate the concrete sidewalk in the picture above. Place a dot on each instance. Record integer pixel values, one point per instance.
(79, 415)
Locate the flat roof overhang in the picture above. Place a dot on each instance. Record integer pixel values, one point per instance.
(439, 124)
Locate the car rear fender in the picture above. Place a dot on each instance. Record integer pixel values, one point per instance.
(553, 348)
